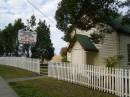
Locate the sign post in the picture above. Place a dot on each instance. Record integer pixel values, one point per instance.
(26, 39)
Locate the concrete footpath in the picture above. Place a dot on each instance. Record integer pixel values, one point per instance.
(6, 90)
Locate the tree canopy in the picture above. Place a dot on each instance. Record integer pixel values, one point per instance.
(127, 15)
(44, 47)
(31, 22)
(9, 39)
(1, 44)
(85, 14)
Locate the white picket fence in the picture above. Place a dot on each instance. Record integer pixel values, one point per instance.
(111, 80)
(23, 63)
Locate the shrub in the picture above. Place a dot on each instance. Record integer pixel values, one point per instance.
(113, 61)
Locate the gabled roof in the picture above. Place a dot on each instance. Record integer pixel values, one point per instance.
(84, 41)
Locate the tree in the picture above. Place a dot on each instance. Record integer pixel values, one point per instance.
(31, 22)
(18, 24)
(8, 38)
(126, 18)
(63, 54)
(9, 41)
(43, 47)
(1, 44)
(85, 14)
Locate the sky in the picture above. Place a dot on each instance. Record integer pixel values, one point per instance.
(14, 9)
(11, 10)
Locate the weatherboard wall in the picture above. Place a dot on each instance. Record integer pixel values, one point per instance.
(124, 40)
(78, 54)
(114, 44)
(109, 48)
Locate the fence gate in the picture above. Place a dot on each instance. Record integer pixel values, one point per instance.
(44, 69)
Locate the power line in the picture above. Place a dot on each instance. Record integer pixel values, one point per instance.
(34, 6)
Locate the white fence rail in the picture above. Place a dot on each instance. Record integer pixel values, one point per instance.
(23, 63)
(111, 80)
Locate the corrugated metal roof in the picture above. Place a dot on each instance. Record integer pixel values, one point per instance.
(86, 43)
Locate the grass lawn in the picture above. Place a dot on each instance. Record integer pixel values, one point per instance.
(48, 87)
(9, 72)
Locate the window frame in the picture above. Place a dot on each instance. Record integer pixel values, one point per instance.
(128, 53)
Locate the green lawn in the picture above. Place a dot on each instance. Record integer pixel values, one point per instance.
(9, 72)
(49, 87)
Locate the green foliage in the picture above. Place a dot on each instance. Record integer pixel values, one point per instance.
(18, 24)
(126, 18)
(43, 48)
(84, 14)
(64, 58)
(31, 22)
(63, 54)
(113, 61)
(97, 37)
(1, 44)
(8, 37)
(9, 42)
(67, 35)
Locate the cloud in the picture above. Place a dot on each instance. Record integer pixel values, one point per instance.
(13, 9)
(56, 39)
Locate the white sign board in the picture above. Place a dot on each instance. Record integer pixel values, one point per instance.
(27, 37)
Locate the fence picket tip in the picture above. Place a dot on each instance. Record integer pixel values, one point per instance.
(110, 80)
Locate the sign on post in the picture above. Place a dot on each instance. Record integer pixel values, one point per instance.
(27, 37)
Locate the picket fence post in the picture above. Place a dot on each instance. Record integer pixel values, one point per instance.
(23, 63)
(112, 80)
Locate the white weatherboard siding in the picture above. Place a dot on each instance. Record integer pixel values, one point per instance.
(77, 57)
(69, 56)
(91, 57)
(124, 40)
(109, 48)
(82, 32)
(114, 44)
(78, 54)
